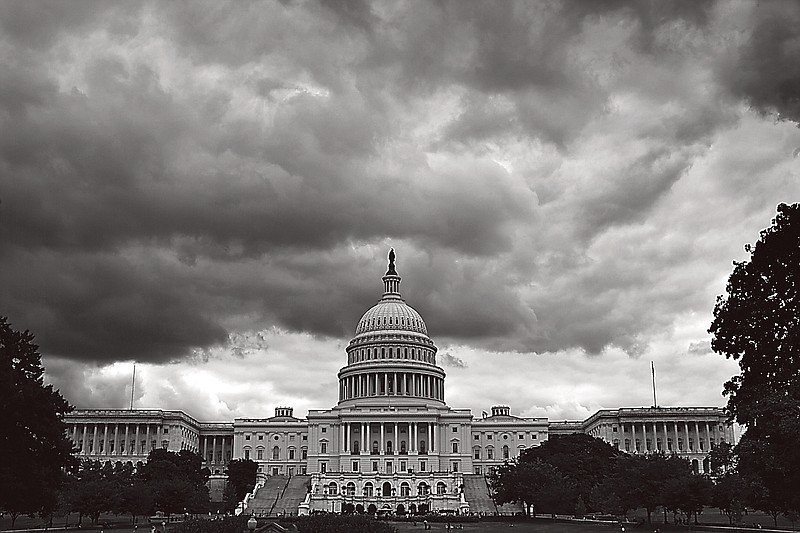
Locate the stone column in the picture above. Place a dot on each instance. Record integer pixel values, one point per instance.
(697, 436)
(396, 448)
(94, 440)
(363, 437)
(127, 440)
(83, 440)
(214, 449)
(433, 436)
(382, 446)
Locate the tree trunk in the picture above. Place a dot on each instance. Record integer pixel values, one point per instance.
(649, 512)
(665, 516)
(13, 519)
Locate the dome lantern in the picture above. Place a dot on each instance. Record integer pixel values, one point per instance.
(391, 281)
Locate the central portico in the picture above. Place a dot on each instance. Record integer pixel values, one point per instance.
(391, 440)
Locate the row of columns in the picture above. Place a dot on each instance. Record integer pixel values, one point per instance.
(89, 443)
(366, 437)
(391, 384)
(690, 429)
(371, 354)
(219, 454)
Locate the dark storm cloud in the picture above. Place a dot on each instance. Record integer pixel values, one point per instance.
(764, 68)
(174, 173)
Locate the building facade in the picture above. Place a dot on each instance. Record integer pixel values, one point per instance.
(391, 436)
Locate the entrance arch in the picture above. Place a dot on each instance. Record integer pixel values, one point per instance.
(372, 509)
(401, 509)
(360, 509)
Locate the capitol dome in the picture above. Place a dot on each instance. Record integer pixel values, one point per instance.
(391, 358)
(391, 314)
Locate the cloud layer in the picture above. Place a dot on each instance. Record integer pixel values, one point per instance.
(562, 180)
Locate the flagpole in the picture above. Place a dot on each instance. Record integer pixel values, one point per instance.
(653, 370)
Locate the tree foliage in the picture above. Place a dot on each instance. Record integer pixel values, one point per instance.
(757, 323)
(539, 486)
(33, 438)
(241, 480)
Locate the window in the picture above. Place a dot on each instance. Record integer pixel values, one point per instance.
(166, 430)
(305, 437)
(627, 445)
(374, 466)
(669, 445)
(291, 454)
(351, 489)
(614, 429)
(521, 436)
(246, 453)
(490, 436)
(368, 490)
(535, 436)
(304, 453)
(247, 437)
(388, 467)
(455, 447)
(422, 466)
(476, 453)
(324, 429)
(355, 466)
(455, 429)
(477, 469)
(261, 437)
(680, 445)
(691, 445)
(333, 489)
(276, 453)
(441, 488)
(405, 489)
(423, 489)
(455, 466)
(259, 454)
(505, 452)
(164, 444)
(323, 467)
(490, 453)
(476, 437)
(323, 447)
(402, 466)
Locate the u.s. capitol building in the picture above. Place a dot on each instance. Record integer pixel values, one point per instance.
(391, 440)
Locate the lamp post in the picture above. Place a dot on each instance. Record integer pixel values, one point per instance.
(252, 523)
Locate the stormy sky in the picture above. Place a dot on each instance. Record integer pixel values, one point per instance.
(211, 189)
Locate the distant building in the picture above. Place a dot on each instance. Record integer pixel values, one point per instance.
(391, 440)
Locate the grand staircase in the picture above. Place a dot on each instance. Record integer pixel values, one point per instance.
(477, 494)
(268, 495)
(292, 496)
(280, 495)
(479, 497)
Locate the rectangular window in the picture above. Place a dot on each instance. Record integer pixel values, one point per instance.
(261, 437)
(323, 467)
(323, 447)
(455, 466)
(614, 429)
(402, 466)
(355, 466)
(305, 437)
(303, 470)
(247, 454)
(521, 436)
(477, 454)
(324, 429)
(477, 437)
(274, 470)
(490, 453)
(535, 436)
(422, 466)
(291, 454)
(304, 454)
(247, 437)
(489, 436)
(455, 447)
(388, 467)
(166, 430)
(374, 466)
(455, 429)
(259, 454)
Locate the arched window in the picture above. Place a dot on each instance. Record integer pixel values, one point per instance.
(389, 447)
(405, 489)
(368, 489)
(351, 489)
(387, 489)
(402, 446)
(423, 489)
(333, 488)
(476, 453)
(276, 453)
(441, 488)
(291, 454)
(505, 452)
(374, 447)
(247, 453)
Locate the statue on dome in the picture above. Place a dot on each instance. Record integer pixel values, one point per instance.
(391, 270)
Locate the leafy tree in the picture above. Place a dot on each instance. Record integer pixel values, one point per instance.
(728, 494)
(688, 494)
(241, 480)
(539, 486)
(722, 458)
(757, 323)
(176, 481)
(33, 438)
(585, 460)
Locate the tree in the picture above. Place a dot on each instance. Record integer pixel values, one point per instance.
(757, 323)
(176, 481)
(32, 431)
(585, 460)
(728, 494)
(241, 480)
(539, 486)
